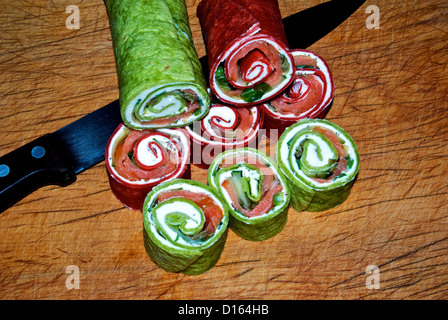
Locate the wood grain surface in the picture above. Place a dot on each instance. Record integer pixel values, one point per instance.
(391, 96)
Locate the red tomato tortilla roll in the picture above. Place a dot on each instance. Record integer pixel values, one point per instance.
(136, 161)
(309, 95)
(248, 55)
(225, 127)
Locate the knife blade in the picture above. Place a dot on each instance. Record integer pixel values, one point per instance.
(328, 16)
(56, 158)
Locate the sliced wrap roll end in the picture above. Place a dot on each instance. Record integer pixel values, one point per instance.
(327, 181)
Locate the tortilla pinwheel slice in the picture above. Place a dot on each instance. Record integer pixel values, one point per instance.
(308, 96)
(255, 192)
(319, 161)
(225, 127)
(185, 226)
(247, 50)
(138, 160)
(160, 78)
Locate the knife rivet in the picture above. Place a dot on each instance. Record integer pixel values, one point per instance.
(4, 170)
(38, 152)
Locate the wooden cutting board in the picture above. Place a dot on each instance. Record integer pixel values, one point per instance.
(391, 96)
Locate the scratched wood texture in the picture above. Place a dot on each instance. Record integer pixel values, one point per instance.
(391, 97)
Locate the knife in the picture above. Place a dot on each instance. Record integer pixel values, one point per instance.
(56, 158)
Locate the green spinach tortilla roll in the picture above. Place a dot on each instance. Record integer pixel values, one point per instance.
(319, 161)
(257, 195)
(159, 74)
(185, 226)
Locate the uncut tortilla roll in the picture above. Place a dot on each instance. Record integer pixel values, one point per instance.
(160, 77)
(248, 55)
(319, 161)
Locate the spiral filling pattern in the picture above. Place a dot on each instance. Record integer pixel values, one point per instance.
(319, 161)
(139, 157)
(318, 153)
(185, 226)
(309, 94)
(254, 190)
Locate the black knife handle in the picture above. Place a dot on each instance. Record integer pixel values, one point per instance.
(30, 167)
